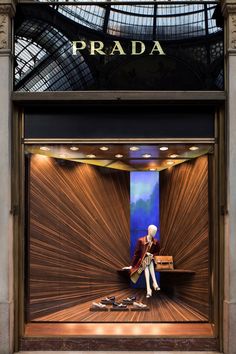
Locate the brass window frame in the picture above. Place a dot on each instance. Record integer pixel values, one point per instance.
(219, 186)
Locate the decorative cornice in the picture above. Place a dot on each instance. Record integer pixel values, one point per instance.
(8, 8)
(228, 7)
(7, 11)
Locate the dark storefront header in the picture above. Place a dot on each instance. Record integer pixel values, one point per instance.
(119, 121)
(118, 46)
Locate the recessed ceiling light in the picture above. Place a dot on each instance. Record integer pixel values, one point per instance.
(146, 156)
(90, 156)
(44, 148)
(170, 163)
(74, 148)
(119, 156)
(104, 148)
(173, 156)
(164, 148)
(152, 169)
(134, 148)
(194, 148)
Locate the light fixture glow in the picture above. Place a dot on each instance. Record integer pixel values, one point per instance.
(44, 148)
(118, 156)
(173, 156)
(146, 156)
(91, 156)
(164, 148)
(170, 163)
(104, 148)
(194, 148)
(152, 169)
(134, 148)
(74, 148)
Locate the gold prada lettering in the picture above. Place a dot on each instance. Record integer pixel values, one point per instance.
(77, 46)
(98, 48)
(157, 48)
(117, 48)
(134, 48)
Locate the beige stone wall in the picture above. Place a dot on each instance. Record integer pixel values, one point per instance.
(229, 11)
(6, 232)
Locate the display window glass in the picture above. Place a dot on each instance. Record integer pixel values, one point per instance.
(119, 232)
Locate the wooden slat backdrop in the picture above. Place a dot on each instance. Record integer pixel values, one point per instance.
(79, 237)
(184, 220)
(79, 234)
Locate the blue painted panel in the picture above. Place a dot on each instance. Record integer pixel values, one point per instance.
(144, 208)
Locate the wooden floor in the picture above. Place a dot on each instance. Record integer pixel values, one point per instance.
(198, 330)
(162, 309)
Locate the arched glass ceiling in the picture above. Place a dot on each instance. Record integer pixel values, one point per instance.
(145, 21)
(44, 62)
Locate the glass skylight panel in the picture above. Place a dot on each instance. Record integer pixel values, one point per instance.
(28, 54)
(124, 24)
(89, 16)
(180, 24)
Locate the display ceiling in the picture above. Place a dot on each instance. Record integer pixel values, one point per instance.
(124, 157)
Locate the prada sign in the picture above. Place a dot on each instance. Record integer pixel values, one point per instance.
(116, 48)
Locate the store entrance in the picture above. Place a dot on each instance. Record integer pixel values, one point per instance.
(119, 203)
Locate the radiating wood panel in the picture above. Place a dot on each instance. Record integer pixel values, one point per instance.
(78, 233)
(162, 309)
(184, 222)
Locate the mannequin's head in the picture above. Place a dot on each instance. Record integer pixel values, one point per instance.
(152, 230)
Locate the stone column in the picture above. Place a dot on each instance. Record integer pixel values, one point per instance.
(7, 10)
(229, 328)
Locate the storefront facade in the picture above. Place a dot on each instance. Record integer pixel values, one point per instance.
(73, 155)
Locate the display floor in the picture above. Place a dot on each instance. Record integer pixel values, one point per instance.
(162, 309)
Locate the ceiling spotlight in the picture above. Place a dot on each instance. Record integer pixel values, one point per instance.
(44, 148)
(152, 169)
(146, 156)
(164, 148)
(194, 148)
(170, 163)
(119, 156)
(173, 156)
(134, 148)
(90, 156)
(74, 148)
(104, 148)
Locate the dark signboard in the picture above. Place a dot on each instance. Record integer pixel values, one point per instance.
(112, 46)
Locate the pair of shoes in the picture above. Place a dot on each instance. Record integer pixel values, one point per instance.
(156, 287)
(98, 305)
(139, 305)
(118, 305)
(108, 300)
(129, 300)
(149, 294)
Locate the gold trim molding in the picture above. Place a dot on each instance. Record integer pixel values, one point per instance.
(122, 141)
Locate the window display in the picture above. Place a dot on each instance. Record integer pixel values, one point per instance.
(118, 232)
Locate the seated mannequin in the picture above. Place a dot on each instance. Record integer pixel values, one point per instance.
(143, 260)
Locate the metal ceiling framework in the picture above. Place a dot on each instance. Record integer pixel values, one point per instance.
(43, 33)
